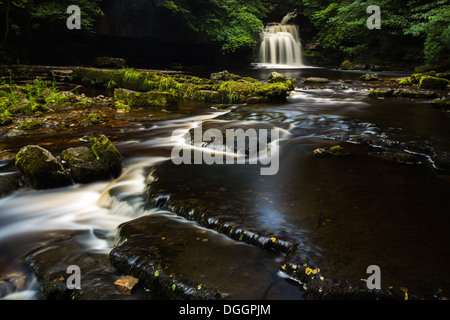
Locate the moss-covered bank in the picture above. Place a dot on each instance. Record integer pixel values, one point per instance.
(185, 87)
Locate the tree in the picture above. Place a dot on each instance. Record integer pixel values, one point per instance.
(233, 23)
(8, 6)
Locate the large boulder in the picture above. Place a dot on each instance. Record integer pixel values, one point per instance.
(429, 82)
(40, 169)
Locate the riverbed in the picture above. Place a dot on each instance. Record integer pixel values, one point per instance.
(343, 213)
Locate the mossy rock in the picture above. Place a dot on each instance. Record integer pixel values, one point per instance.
(316, 80)
(142, 99)
(399, 157)
(429, 82)
(444, 75)
(381, 93)
(91, 77)
(40, 169)
(100, 162)
(30, 124)
(276, 77)
(337, 151)
(84, 167)
(346, 65)
(401, 93)
(405, 82)
(370, 77)
(92, 119)
(224, 76)
(105, 151)
(441, 103)
(109, 62)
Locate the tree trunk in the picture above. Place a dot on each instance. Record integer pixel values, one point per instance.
(8, 7)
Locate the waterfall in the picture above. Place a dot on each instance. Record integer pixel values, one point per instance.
(280, 44)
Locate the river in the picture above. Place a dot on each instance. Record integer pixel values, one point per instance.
(346, 213)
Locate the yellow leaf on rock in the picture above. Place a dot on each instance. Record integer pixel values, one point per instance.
(308, 270)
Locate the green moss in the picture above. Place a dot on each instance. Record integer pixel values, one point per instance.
(30, 124)
(105, 151)
(140, 99)
(5, 120)
(378, 93)
(429, 82)
(92, 119)
(405, 82)
(441, 103)
(369, 77)
(40, 168)
(140, 88)
(346, 65)
(444, 75)
(388, 93)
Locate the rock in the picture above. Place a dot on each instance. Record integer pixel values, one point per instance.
(92, 119)
(442, 103)
(106, 153)
(346, 65)
(441, 160)
(444, 75)
(370, 77)
(401, 93)
(125, 285)
(336, 151)
(40, 169)
(142, 99)
(100, 162)
(429, 82)
(8, 183)
(224, 76)
(276, 77)
(405, 82)
(399, 157)
(108, 62)
(313, 80)
(16, 133)
(207, 95)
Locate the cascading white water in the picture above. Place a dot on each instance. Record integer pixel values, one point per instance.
(280, 44)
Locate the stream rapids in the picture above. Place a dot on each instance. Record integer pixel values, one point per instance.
(343, 213)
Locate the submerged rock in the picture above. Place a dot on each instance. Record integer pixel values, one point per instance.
(336, 151)
(399, 157)
(126, 284)
(40, 169)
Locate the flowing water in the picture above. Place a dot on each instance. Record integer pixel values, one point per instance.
(345, 212)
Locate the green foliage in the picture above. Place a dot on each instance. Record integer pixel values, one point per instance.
(233, 23)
